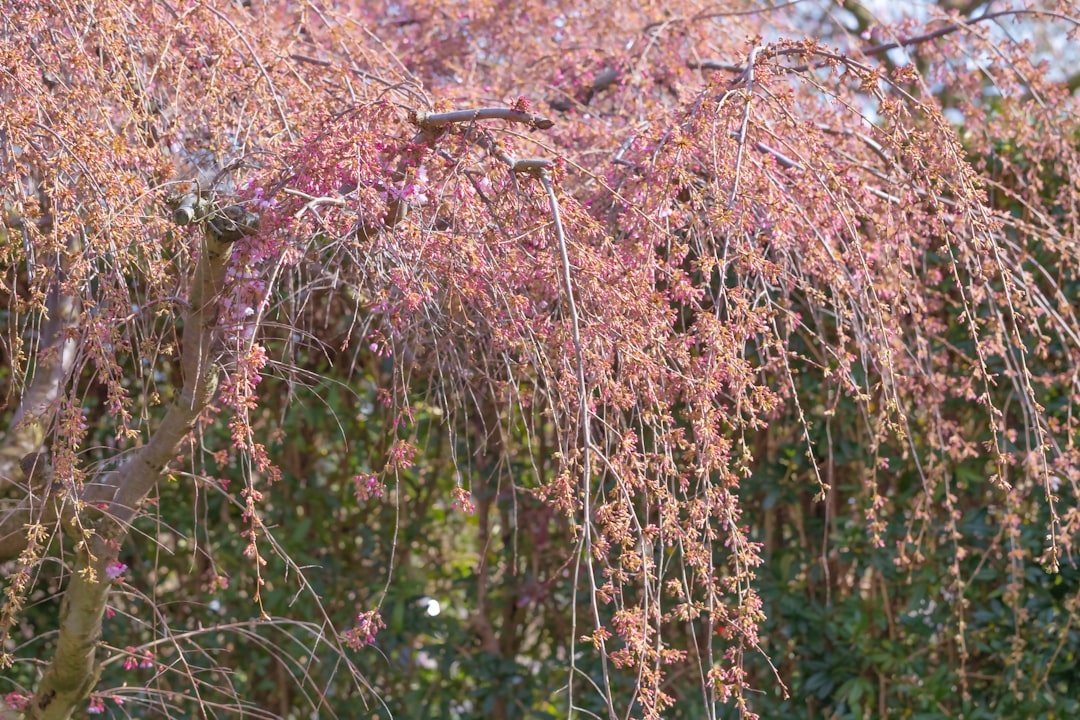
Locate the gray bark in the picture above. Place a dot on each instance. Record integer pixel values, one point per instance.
(73, 671)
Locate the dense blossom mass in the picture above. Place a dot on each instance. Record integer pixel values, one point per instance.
(566, 283)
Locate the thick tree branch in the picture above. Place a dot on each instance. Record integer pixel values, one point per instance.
(869, 51)
(38, 405)
(864, 19)
(21, 457)
(601, 82)
(432, 121)
(129, 485)
(72, 674)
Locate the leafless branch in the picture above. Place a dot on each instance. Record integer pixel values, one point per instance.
(870, 51)
(741, 135)
(432, 121)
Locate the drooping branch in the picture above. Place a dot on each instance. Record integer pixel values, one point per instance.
(585, 420)
(71, 675)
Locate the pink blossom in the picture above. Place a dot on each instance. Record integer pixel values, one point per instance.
(17, 701)
(463, 500)
(367, 487)
(367, 625)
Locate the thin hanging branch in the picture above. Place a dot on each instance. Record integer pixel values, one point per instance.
(540, 171)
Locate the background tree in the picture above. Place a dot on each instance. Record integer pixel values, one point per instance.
(629, 360)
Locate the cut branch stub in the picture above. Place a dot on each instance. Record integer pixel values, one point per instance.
(189, 207)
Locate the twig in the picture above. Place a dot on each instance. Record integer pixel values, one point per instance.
(312, 201)
(781, 158)
(584, 417)
(310, 60)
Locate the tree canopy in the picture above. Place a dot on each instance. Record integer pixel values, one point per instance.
(601, 360)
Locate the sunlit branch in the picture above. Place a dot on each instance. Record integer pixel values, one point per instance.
(73, 671)
(432, 121)
(713, 15)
